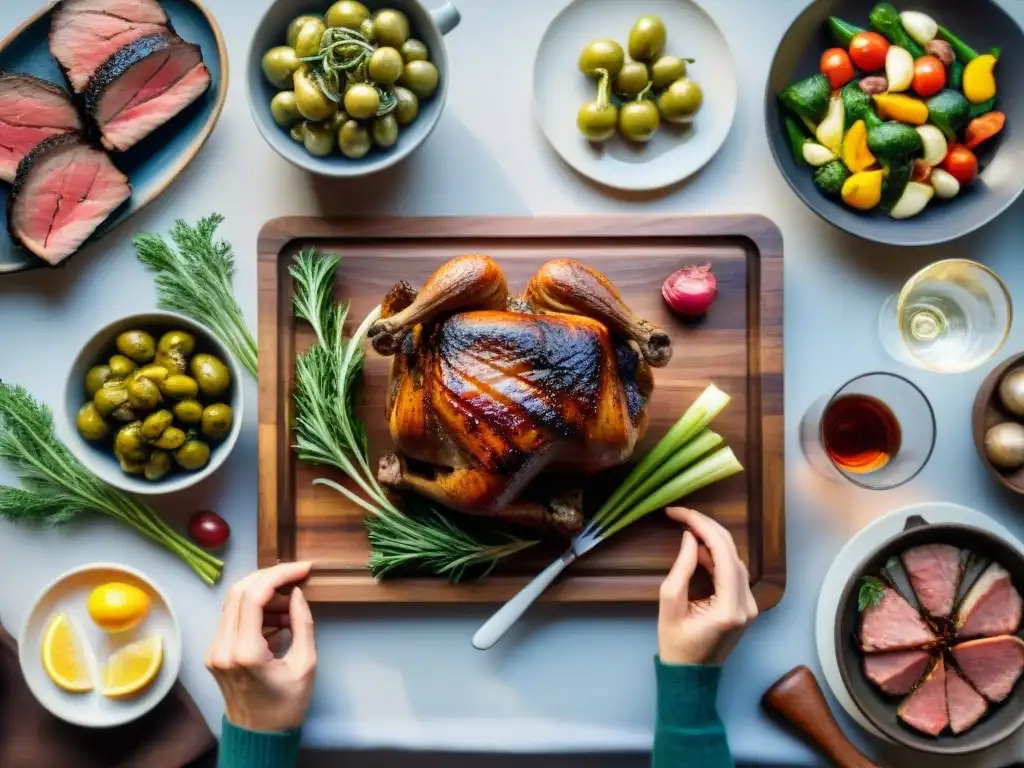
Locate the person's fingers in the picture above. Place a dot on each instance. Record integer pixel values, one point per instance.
(257, 594)
(704, 559)
(675, 590)
(727, 566)
(278, 603)
(301, 657)
(276, 620)
(221, 654)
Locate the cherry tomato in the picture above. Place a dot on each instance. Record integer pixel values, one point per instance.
(868, 49)
(837, 67)
(961, 164)
(929, 76)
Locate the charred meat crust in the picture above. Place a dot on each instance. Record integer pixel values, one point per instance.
(39, 151)
(51, 87)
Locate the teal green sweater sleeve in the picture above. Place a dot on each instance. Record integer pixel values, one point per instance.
(689, 733)
(240, 748)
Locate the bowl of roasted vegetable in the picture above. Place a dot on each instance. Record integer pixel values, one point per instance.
(902, 125)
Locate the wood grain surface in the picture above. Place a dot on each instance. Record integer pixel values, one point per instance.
(738, 347)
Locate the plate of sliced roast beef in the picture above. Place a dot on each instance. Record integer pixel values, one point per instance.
(102, 104)
(929, 638)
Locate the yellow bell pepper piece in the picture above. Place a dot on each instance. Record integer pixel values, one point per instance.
(863, 190)
(856, 155)
(906, 109)
(979, 79)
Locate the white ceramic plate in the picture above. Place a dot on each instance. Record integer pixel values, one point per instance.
(675, 152)
(69, 594)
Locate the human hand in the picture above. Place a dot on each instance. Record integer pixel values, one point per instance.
(261, 692)
(704, 631)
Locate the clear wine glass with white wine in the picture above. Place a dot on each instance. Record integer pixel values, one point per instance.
(950, 317)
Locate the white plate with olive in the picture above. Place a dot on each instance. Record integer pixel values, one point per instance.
(635, 96)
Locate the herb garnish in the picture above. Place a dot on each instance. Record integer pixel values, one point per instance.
(872, 591)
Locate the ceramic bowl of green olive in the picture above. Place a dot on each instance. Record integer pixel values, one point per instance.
(348, 88)
(153, 403)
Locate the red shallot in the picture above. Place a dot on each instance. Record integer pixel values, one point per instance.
(691, 291)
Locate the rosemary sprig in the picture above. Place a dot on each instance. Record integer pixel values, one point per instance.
(328, 432)
(872, 591)
(195, 280)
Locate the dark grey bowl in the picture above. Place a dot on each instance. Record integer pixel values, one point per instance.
(981, 24)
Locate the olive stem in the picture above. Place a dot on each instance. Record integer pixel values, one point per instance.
(644, 94)
(604, 88)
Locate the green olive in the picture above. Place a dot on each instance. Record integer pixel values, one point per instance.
(154, 425)
(307, 43)
(180, 386)
(284, 109)
(292, 35)
(415, 50)
(391, 27)
(597, 122)
(110, 397)
(189, 411)
(420, 77)
(212, 376)
(362, 101)
(298, 131)
(124, 414)
(173, 362)
(217, 420)
(180, 342)
(90, 424)
(348, 14)
(152, 372)
(337, 120)
(130, 467)
(143, 394)
(385, 131)
(633, 78)
(311, 102)
(368, 30)
(171, 439)
(129, 443)
(638, 120)
(601, 53)
(159, 464)
(666, 70)
(354, 140)
(121, 366)
(385, 65)
(95, 378)
(408, 105)
(192, 455)
(647, 38)
(318, 138)
(137, 346)
(278, 65)
(681, 101)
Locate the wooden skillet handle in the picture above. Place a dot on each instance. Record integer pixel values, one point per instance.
(797, 698)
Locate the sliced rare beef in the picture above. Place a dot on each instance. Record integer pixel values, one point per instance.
(992, 607)
(925, 709)
(935, 571)
(896, 673)
(893, 625)
(144, 85)
(85, 33)
(64, 189)
(965, 705)
(992, 665)
(30, 110)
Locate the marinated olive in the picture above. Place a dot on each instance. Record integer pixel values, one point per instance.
(638, 120)
(137, 346)
(129, 443)
(121, 366)
(415, 50)
(152, 372)
(596, 121)
(681, 101)
(154, 425)
(192, 455)
(385, 131)
(307, 43)
(368, 30)
(217, 420)
(296, 24)
(311, 102)
(298, 131)
(647, 38)
(601, 54)
(318, 138)
(188, 411)
(95, 378)
(110, 397)
(348, 14)
(90, 424)
(171, 439)
(278, 65)
(408, 105)
(633, 78)
(179, 386)
(391, 27)
(212, 376)
(284, 110)
(420, 77)
(666, 70)
(337, 120)
(172, 362)
(124, 414)
(354, 140)
(180, 342)
(143, 394)
(385, 65)
(130, 467)
(362, 101)
(159, 464)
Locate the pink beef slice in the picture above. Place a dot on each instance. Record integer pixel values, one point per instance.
(896, 673)
(65, 188)
(992, 665)
(893, 625)
(143, 86)
(966, 706)
(925, 709)
(935, 571)
(85, 33)
(30, 110)
(991, 608)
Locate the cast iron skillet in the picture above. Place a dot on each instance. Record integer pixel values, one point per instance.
(981, 24)
(1002, 720)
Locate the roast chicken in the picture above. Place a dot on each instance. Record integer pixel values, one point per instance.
(489, 391)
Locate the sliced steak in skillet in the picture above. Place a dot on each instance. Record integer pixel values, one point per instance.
(898, 672)
(143, 86)
(65, 188)
(966, 706)
(925, 709)
(893, 625)
(992, 607)
(30, 110)
(935, 571)
(85, 33)
(992, 665)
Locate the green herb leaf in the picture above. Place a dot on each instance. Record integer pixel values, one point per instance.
(872, 591)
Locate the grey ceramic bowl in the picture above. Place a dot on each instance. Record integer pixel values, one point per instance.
(983, 25)
(430, 26)
(98, 457)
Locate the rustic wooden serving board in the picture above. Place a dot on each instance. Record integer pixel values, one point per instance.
(738, 347)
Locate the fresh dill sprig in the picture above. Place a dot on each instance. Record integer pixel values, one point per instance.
(195, 280)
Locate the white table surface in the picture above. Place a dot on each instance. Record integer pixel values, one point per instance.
(576, 678)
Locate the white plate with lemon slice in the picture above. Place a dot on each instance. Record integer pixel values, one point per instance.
(101, 646)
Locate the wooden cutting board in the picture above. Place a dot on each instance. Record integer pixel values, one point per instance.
(738, 346)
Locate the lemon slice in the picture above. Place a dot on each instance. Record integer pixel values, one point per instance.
(132, 668)
(63, 658)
